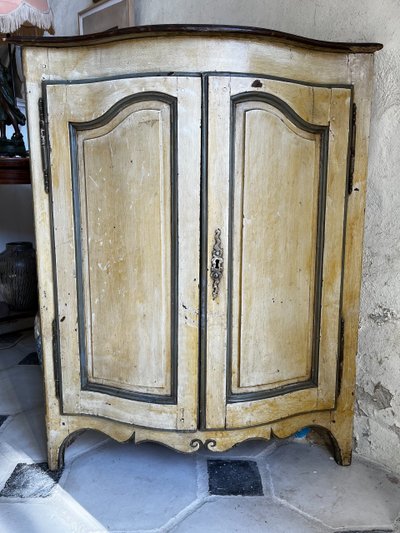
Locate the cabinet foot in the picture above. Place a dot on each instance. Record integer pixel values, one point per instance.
(56, 448)
(341, 443)
(342, 449)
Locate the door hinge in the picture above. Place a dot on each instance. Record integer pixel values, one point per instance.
(56, 358)
(352, 152)
(340, 358)
(44, 144)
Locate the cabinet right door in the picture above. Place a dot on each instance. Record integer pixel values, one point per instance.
(277, 173)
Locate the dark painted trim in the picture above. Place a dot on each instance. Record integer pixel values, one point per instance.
(205, 74)
(188, 30)
(86, 384)
(130, 395)
(203, 258)
(56, 323)
(56, 355)
(174, 176)
(278, 78)
(323, 131)
(341, 320)
(271, 393)
(319, 259)
(78, 252)
(97, 79)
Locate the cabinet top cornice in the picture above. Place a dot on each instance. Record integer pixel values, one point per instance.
(205, 30)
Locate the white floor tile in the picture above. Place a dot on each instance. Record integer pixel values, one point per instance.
(58, 514)
(15, 344)
(8, 460)
(21, 388)
(32, 517)
(26, 434)
(245, 515)
(108, 486)
(87, 441)
(10, 358)
(27, 343)
(129, 487)
(358, 496)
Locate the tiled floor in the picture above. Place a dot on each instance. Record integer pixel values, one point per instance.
(289, 487)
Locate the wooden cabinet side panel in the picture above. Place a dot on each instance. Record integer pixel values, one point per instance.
(361, 75)
(33, 61)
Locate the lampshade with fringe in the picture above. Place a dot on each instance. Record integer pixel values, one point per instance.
(15, 13)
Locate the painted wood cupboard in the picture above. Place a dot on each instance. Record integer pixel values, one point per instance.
(199, 196)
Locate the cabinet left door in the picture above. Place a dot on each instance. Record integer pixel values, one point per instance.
(125, 186)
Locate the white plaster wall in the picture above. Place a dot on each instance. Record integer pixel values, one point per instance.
(377, 425)
(66, 15)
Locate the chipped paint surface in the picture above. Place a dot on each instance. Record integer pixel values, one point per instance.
(382, 315)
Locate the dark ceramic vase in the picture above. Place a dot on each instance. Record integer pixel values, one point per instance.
(18, 280)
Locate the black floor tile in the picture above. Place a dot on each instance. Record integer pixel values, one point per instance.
(234, 478)
(30, 481)
(30, 359)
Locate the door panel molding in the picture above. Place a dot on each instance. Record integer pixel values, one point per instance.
(321, 131)
(89, 383)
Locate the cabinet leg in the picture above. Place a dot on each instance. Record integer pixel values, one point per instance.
(55, 456)
(342, 444)
(342, 448)
(56, 445)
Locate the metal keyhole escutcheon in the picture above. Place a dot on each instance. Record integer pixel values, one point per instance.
(217, 263)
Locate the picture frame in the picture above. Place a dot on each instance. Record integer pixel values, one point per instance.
(105, 15)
